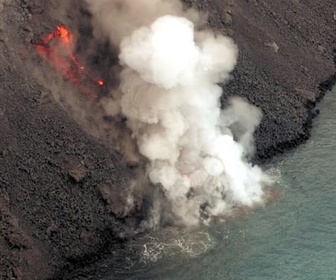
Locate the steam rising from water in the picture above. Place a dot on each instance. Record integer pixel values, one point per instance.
(197, 154)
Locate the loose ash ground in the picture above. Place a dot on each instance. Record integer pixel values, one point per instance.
(196, 153)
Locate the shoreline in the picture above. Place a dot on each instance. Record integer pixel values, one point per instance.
(52, 223)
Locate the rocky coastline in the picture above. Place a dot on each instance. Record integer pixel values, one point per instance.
(61, 190)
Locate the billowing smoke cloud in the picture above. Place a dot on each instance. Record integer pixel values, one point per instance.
(197, 154)
(116, 19)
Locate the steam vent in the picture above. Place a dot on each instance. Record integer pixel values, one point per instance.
(131, 130)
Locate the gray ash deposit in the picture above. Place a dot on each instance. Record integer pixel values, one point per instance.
(72, 184)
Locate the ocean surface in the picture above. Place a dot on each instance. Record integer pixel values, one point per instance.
(293, 238)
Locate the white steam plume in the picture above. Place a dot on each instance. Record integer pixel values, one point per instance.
(196, 153)
(119, 18)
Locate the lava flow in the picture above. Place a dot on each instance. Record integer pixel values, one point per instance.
(56, 48)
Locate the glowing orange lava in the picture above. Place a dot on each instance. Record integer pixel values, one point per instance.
(57, 48)
(63, 32)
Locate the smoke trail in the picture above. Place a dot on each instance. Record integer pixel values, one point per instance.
(197, 154)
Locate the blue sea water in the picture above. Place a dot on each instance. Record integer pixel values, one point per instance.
(293, 238)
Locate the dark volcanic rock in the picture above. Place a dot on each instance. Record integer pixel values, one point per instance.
(62, 193)
(281, 65)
